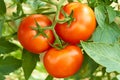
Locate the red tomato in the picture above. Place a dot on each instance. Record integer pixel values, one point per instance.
(26, 35)
(63, 63)
(81, 28)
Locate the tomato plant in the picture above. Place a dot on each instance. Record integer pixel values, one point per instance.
(82, 25)
(30, 39)
(48, 39)
(63, 63)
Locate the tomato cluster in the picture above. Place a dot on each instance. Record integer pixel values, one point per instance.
(35, 36)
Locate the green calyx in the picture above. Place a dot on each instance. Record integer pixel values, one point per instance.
(39, 30)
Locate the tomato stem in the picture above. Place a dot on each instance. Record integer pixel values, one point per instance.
(58, 6)
(16, 18)
(54, 24)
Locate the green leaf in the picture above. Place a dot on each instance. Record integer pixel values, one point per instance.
(100, 15)
(108, 2)
(2, 77)
(9, 64)
(49, 77)
(110, 33)
(111, 13)
(92, 3)
(2, 7)
(6, 46)
(87, 69)
(29, 61)
(107, 55)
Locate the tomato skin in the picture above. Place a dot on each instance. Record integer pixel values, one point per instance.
(26, 35)
(81, 28)
(63, 63)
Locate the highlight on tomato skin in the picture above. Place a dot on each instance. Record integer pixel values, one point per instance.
(81, 28)
(27, 36)
(63, 63)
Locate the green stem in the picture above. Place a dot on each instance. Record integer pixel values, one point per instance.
(56, 21)
(15, 18)
(64, 20)
(48, 28)
(55, 34)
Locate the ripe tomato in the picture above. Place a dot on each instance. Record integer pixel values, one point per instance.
(81, 28)
(26, 35)
(63, 63)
